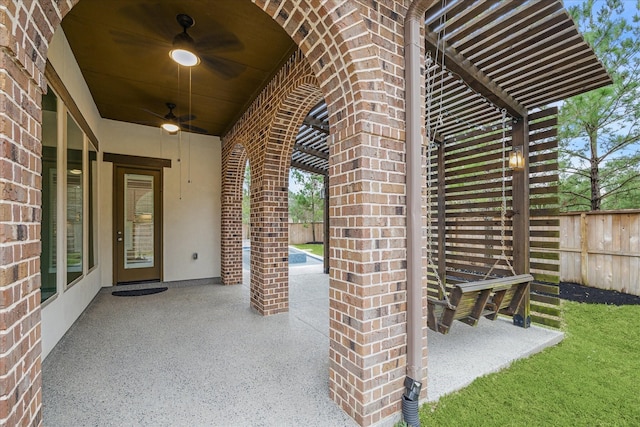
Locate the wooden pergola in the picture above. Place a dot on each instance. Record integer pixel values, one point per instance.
(486, 57)
(518, 55)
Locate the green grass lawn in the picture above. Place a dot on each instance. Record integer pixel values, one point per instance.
(314, 248)
(592, 378)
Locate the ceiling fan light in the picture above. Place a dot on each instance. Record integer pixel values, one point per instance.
(184, 57)
(183, 50)
(172, 128)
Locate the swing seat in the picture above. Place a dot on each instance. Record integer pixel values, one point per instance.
(471, 300)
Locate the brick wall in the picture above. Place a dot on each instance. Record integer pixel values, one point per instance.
(25, 29)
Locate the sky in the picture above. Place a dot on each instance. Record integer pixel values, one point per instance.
(630, 9)
(630, 6)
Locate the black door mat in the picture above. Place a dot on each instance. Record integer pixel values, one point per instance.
(138, 292)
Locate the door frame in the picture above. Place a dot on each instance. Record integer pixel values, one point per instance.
(141, 163)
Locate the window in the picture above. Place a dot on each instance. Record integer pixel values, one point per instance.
(49, 195)
(93, 207)
(74, 197)
(69, 202)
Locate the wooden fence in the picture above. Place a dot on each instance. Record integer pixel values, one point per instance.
(302, 233)
(298, 233)
(601, 249)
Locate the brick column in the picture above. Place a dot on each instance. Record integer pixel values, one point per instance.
(20, 201)
(231, 240)
(269, 243)
(368, 275)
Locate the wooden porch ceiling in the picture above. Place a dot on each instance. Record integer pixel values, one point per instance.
(518, 55)
(122, 48)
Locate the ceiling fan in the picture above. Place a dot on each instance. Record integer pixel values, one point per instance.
(225, 68)
(184, 50)
(157, 34)
(172, 123)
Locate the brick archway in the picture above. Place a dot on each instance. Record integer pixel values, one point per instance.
(234, 160)
(270, 199)
(271, 124)
(334, 38)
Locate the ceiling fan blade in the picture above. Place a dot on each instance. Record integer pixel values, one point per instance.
(186, 118)
(193, 128)
(155, 20)
(148, 122)
(225, 68)
(160, 116)
(221, 41)
(135, 41)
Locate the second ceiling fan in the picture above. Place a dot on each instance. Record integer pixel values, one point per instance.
(173, 123)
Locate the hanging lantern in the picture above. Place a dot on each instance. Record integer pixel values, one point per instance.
(516, 159)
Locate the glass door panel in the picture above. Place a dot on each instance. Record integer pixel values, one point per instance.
(138, 230)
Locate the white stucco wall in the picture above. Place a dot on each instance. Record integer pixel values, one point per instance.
(191, 200)
(59, 313)
(62, 59)
(191, 209)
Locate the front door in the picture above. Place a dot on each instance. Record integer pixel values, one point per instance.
(138, 224)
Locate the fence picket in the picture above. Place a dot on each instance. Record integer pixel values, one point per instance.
(601, 249)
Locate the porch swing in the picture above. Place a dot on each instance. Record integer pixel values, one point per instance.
(469, 301)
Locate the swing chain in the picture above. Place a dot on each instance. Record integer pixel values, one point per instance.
(429, 79)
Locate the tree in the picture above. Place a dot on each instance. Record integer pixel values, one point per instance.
(306, 204)
(600, 130)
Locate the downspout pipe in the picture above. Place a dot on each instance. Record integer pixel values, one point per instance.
(413, 47)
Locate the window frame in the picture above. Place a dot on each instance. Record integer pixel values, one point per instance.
(67, 109)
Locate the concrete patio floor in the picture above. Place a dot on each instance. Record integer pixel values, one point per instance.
(198, 355)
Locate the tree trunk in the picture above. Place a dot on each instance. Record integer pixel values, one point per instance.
(313, 213)
(594, 172)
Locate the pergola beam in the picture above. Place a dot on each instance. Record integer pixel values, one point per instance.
(311, 151)
(475, 78)
(316, 124)
(308, 168)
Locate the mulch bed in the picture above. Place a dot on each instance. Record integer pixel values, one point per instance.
(586, 294)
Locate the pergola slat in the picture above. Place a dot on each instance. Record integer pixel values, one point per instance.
(511, 22)
(477, 80)
(482, 20)
(500, 45)
(566, 81)
(528, 70)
